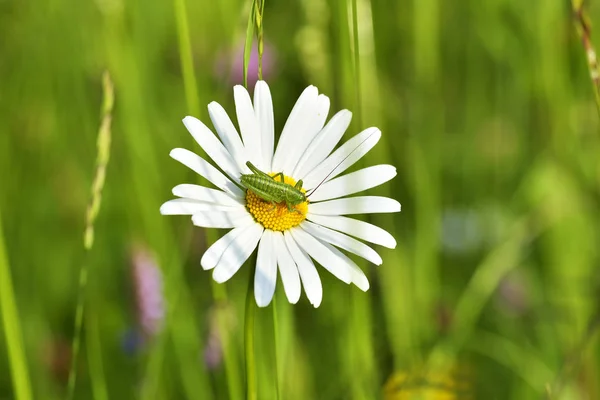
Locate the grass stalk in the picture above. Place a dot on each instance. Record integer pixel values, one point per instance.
(251, 393)
(277, 350)
(12, 328)
(255, 16)
(258, 14)
(356, 60)
(573, 360)
(187, 61)
(103, 156)
(93, 346)
(193, 104)
(248, 41)
(362, 369)
(229, 350)
(583, 26)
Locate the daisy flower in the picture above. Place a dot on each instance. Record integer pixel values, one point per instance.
(288, 240)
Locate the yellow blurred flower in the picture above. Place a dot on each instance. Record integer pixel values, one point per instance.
(419, 384)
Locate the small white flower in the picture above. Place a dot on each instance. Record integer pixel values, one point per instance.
(286, 240)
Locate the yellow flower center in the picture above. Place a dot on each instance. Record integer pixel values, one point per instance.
(276, 217)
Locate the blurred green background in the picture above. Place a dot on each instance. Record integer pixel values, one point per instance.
(487, 111)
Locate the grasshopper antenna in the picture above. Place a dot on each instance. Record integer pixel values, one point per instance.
(340, 163)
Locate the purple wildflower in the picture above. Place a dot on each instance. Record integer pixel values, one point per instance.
(513, 296)
(213, 352)
(147, 280)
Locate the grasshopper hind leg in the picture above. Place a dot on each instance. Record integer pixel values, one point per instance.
(292, 209)
(274, 206)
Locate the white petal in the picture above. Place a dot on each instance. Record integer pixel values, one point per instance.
(343, 241)
(237, 252)
(356, 205)
(341, 159)
(287, 269)
(310, 128)
(228, 134)
(248, 125)
(322, 255)
(265, 276)
(323, 104)
(353, 182)
(304, 110)
(222, 219)
(190, 207)
(323, 143)
(307, 270)
(263, 108)
(360, 229)
(197, 192)
(211, 257)
(357, 275)
(211, 145)
(203, 168)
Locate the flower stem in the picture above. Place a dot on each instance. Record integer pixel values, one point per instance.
(12, 328)
(276, 344)
(249, 340)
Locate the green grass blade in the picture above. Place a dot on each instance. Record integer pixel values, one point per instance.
(250, 361)
(583, 25)
(185, 54)
(251, 393)
(230, 356)
(248, 42)
(259, 9)
(102, 158)
(12, 328)
(94, 352)
(356, 59)
(276, 345)
(193, 104)
(519, 359)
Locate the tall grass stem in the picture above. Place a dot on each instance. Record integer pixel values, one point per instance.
(103, 156)
(259, 9)
(93, 346)
(277, 350)
(12, 328)
(249, 340)
(583, 26)
(248, 41)
(356, 59)
(186, 58)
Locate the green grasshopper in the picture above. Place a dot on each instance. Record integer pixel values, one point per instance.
(268, 188)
